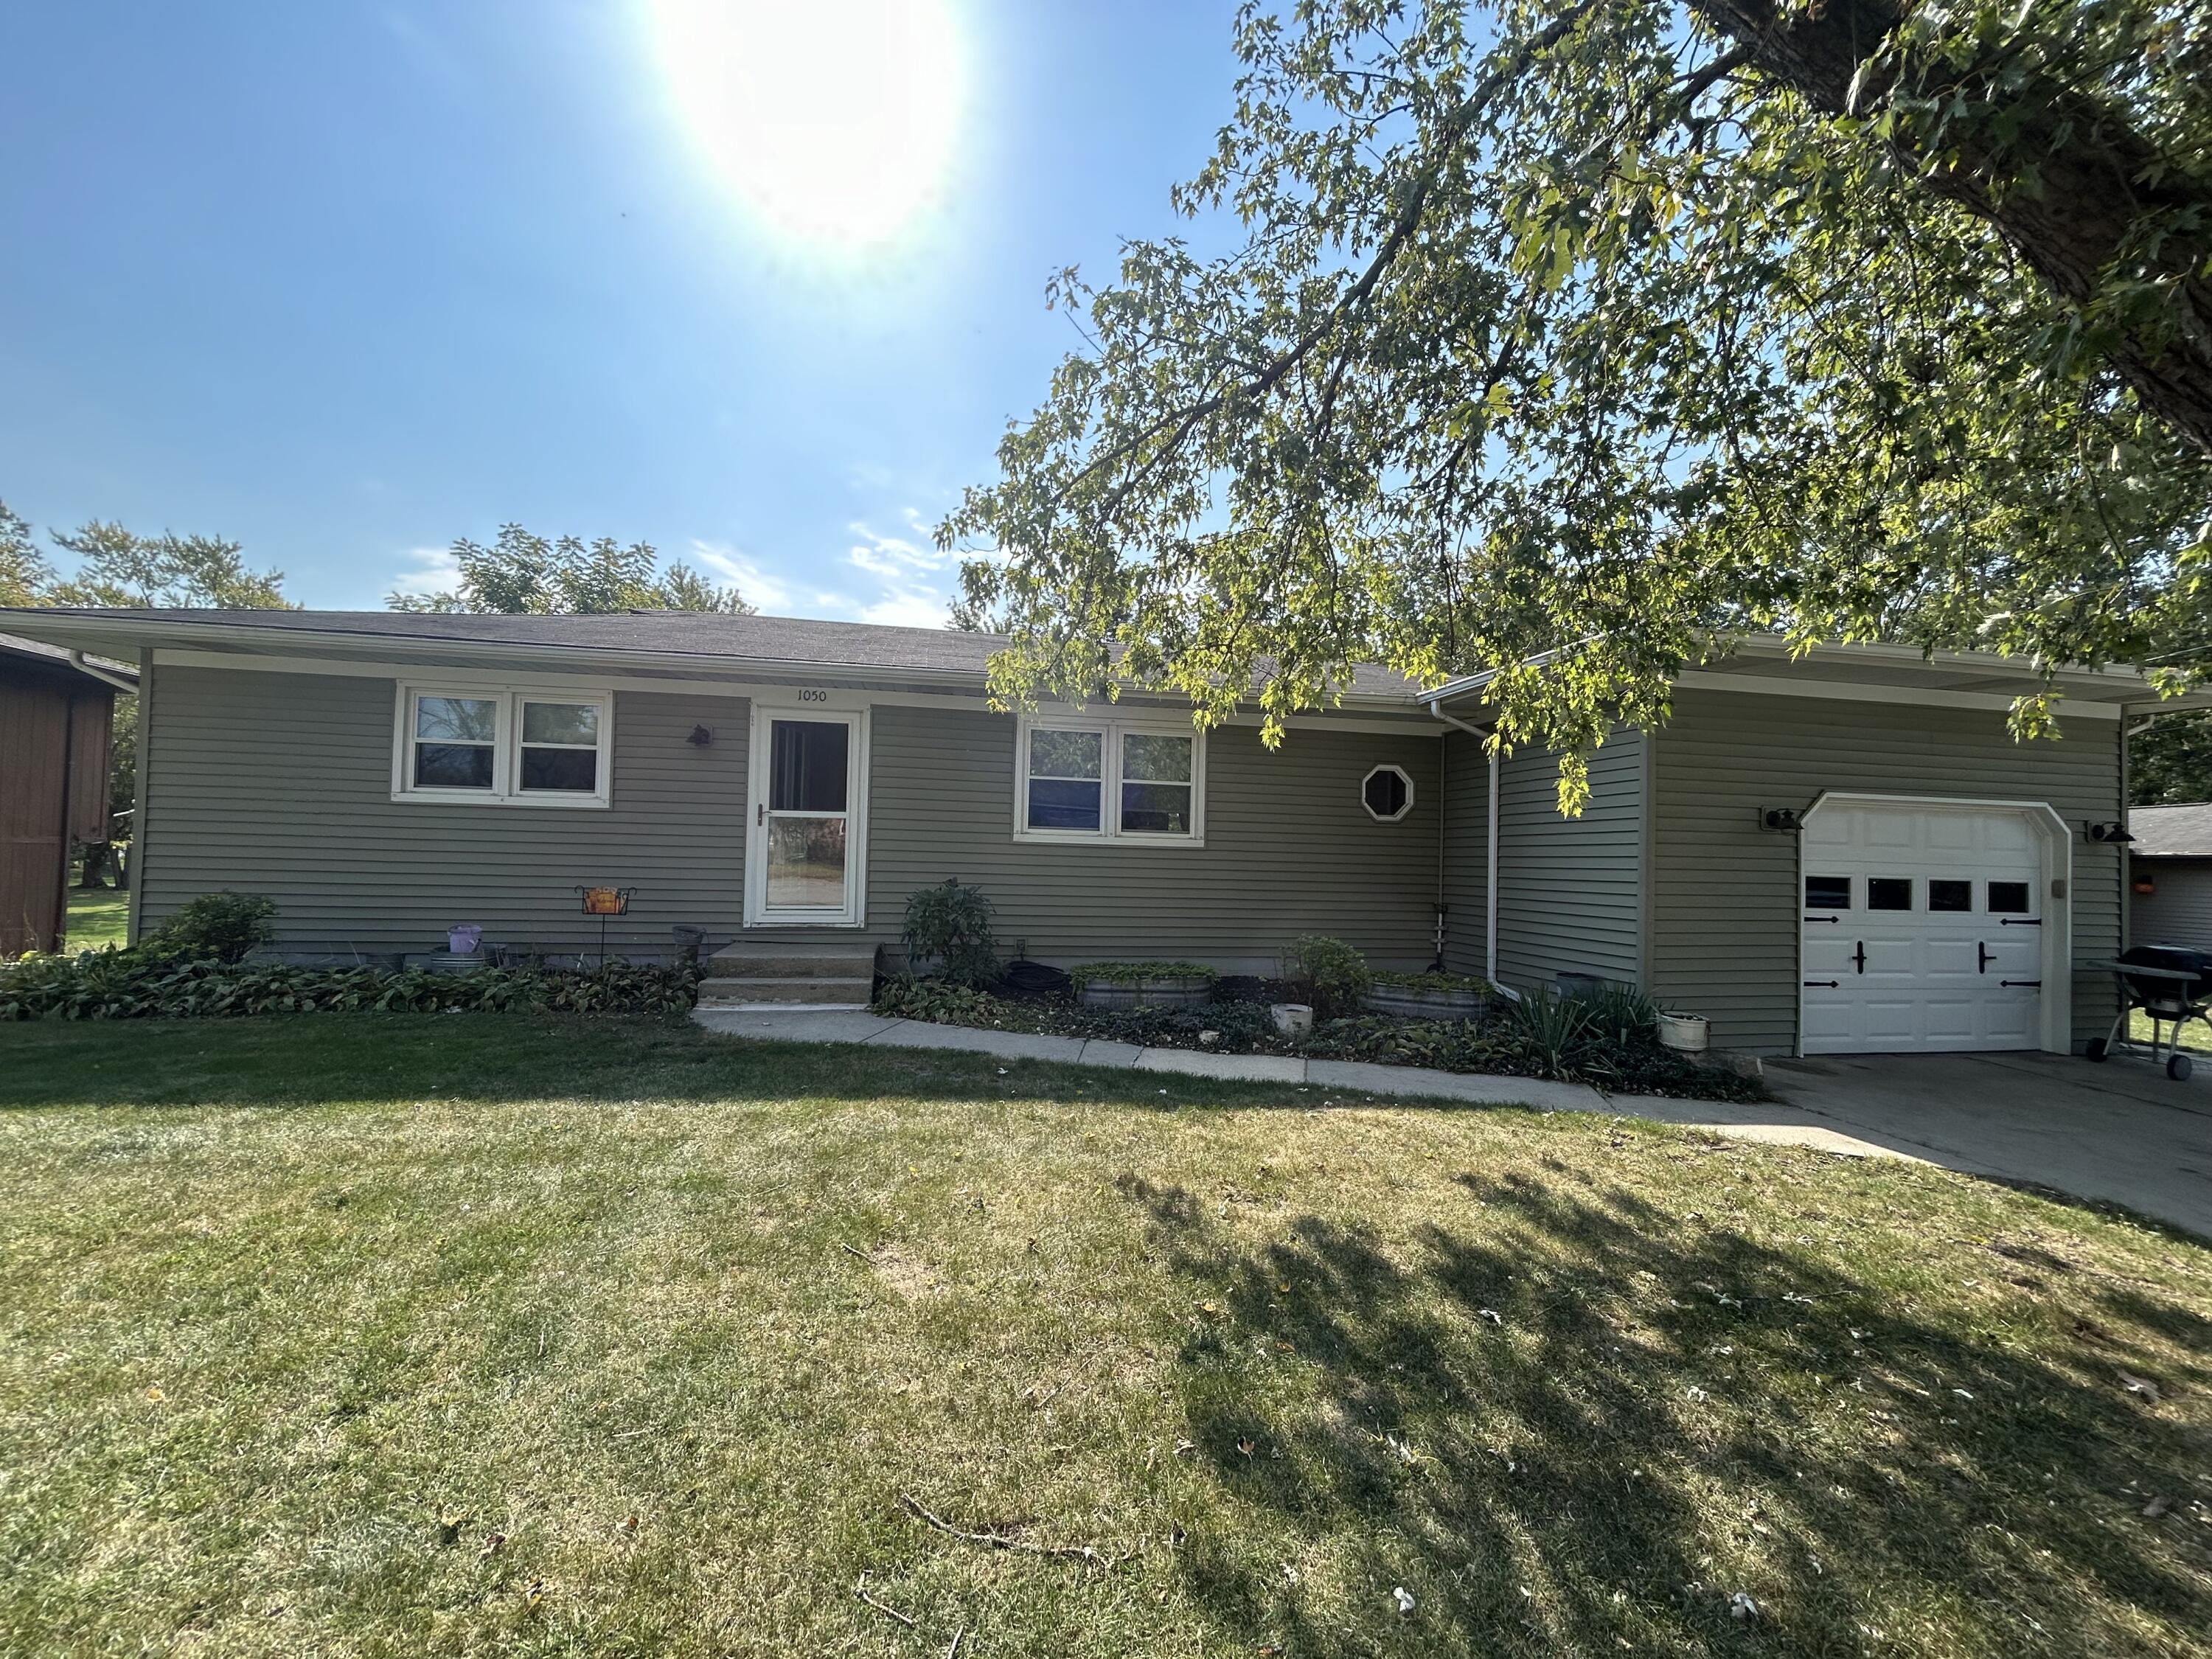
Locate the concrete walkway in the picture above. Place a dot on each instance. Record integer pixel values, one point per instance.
(1348, 1079)
(2121, 1131)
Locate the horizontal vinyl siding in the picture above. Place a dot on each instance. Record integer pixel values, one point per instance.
(1289, 848)
(2180, 910)
(1570, 891)
(1725, 901)
(281, 784)
(1467, 854)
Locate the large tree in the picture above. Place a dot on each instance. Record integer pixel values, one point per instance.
(1602, 333)
(522, 572)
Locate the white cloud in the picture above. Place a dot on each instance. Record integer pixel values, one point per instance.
(434, 570)
(761, 590)
(914, 577)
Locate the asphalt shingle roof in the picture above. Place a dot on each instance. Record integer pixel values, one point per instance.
(708, 636)
(2172, 832)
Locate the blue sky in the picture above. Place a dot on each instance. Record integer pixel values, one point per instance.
(345, 281)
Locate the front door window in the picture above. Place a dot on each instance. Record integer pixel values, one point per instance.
(807, 813)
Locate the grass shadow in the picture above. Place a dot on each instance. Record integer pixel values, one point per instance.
(1573, 1424)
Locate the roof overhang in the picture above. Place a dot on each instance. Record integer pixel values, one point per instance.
(134, 639)
(1766, 663)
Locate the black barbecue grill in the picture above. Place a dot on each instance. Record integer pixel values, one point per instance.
(2173, 985)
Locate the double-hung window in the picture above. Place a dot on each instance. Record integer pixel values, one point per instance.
(527, 748)
(1109, 780)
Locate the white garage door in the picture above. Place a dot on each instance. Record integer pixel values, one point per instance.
(1922, 929)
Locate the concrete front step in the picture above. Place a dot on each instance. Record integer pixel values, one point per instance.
(792, 961)
(785, 988)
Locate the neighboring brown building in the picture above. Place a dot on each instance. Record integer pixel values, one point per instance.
(54, 725)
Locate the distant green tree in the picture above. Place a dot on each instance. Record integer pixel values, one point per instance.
(2172, 763)
(117, 567)
(24, 576)
(525, 573)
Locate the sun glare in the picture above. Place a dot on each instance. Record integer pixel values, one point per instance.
(833, 122)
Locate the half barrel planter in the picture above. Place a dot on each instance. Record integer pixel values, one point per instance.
(1408, 1002)
(1170, 991)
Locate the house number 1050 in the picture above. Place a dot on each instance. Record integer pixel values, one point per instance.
(813, 696)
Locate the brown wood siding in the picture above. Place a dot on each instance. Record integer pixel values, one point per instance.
(37, 718)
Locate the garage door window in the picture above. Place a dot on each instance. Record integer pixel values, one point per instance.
(2007, 898)
(1950, 895)
(1889, 892)
(1828, 892)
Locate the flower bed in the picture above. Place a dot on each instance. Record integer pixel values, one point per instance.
(122, 984)
(1597, 1045)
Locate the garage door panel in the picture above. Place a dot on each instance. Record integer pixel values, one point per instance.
(1911, 938)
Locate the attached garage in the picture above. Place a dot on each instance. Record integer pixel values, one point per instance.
(1931, 926)
(1839, 851)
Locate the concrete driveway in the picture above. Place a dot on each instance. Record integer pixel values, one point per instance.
(2119, 1131)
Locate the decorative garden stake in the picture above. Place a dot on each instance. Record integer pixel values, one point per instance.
(604, 901)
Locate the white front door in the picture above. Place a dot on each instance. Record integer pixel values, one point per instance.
(1922, 928)
(804, 837)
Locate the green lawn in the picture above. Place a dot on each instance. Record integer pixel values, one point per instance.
(485, 1334)
(97, 916)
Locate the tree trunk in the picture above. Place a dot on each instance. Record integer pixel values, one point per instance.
(2100, 180)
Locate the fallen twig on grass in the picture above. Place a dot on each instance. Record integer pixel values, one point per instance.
(858, 1255)
(999, 1540)
(860, 1590)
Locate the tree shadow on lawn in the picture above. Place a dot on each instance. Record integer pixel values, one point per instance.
(1581, 1426)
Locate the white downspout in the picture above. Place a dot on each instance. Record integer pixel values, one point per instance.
(1489, 874)
(1489, 858)
(77, 661)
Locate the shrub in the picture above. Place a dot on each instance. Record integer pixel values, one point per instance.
(1129, 973)
(950, 926)
(1555, 1033)
(215, 926)
(118, 984)
(937, 1001)
(1336, 973)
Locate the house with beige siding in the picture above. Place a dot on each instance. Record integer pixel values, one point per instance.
(1839, 851)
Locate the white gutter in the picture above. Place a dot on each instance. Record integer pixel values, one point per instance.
(168, 634)
(77, 661)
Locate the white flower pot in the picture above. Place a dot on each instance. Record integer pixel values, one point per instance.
(1292, 1019)
(1687, 1034)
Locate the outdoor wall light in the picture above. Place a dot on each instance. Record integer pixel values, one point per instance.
(1784, 818)
(700, 738)
(2114, 833)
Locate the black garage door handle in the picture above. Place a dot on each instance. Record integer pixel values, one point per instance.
(2036, 984)
(1832, 984)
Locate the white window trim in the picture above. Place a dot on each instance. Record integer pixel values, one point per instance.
(859, 769)
(506, 746)
(1115, 727)
(1404, 777)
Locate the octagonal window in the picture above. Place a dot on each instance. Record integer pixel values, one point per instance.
(1388, 793)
